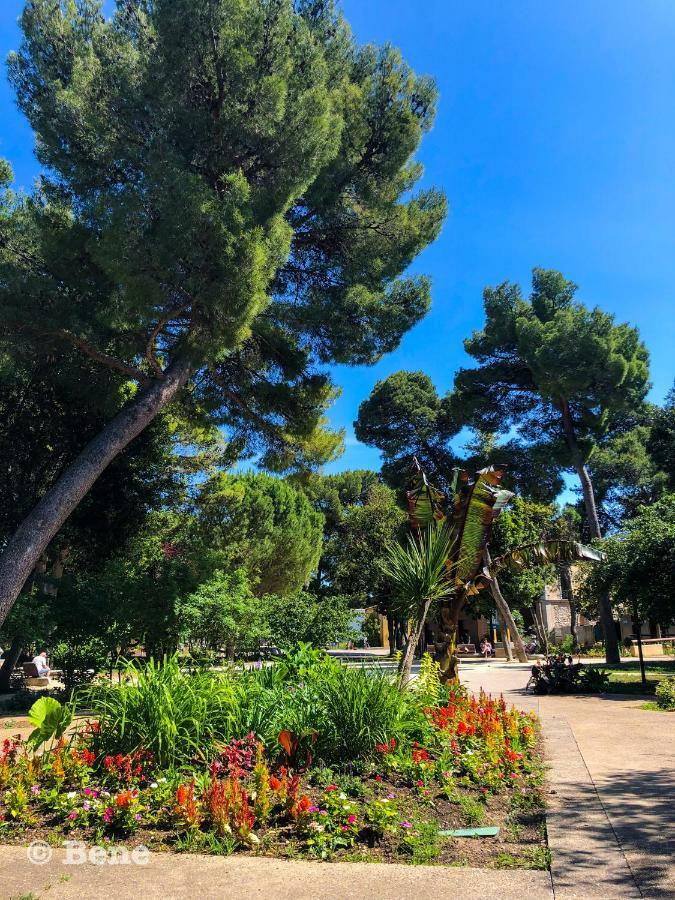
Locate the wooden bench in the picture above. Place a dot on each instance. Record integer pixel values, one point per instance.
(466, 649)
(32, 678)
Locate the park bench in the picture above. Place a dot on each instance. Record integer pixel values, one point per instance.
(30, 673)
(466, 649)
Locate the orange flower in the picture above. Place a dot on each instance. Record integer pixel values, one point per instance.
(275, 784)
(123, 799)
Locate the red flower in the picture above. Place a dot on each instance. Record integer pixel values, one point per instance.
(275, 784)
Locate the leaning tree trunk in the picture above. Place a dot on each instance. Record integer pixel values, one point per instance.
(505, 641)
(606, 615)
(9, 662)
(505, 612)
(31, 538)
(19, 639)
(405, 667)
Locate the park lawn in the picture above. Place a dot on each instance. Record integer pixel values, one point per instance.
(626, 678)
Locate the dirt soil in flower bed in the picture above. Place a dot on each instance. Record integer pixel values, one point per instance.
(521, 841)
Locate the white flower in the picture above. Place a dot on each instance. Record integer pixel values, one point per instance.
(343, 796)
(253, 838)
(153, 784)
(71, 794)
(161, 780)
(315, 826)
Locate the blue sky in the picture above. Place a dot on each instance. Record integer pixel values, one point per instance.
(555, 143)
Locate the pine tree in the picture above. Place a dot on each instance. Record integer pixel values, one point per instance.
(560, 374)
(228, 202)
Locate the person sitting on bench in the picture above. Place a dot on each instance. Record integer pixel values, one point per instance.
(40, 663)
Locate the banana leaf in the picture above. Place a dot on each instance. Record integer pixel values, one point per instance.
(542, 553)
(426, 503)
(476, 506)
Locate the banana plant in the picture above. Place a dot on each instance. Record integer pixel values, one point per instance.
(467, 522)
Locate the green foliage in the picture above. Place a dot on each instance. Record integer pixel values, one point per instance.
(231, 208)
(417, 569)
(428, 688)
(562, 374)
(404, 418)
(665, 693)
(422, 843)
(351, 558)
(175, 716)
(305, 617)
(263, 525)
(625, 474)
(524, 522)
(49, 719)
(340, 713)
(362, 708)
(81, 660)
(638, 564)
(593, 680)
(222, 613)
(661, 441)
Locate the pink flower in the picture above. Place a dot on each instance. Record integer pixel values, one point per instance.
(351, 819)
(35, 790)
(484, 790)
(137, 817)
(108, 814)
(391, 796)
(313, 809)
(332, 787)
(73, 814)
(406, 825)
(419, 782)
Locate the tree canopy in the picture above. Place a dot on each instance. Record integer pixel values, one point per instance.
(228, 201)
(261, 524)
(639, 564)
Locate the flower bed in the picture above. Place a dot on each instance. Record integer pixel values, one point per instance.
(469, 761)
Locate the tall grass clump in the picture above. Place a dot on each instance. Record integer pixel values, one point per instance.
(362, 708)
(178, 717)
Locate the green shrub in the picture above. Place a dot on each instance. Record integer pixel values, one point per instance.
(665, 693)
(174, 715)
(593, 680)
(80, 661)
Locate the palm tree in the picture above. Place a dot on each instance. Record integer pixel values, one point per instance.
(418, 574)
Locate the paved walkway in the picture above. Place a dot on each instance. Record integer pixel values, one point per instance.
(612, 767)
(169, 877)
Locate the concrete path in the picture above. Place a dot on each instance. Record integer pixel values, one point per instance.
(612, 767)
(169, 877)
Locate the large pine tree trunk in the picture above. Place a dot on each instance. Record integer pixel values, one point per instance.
(31, 538)
(606, 616)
